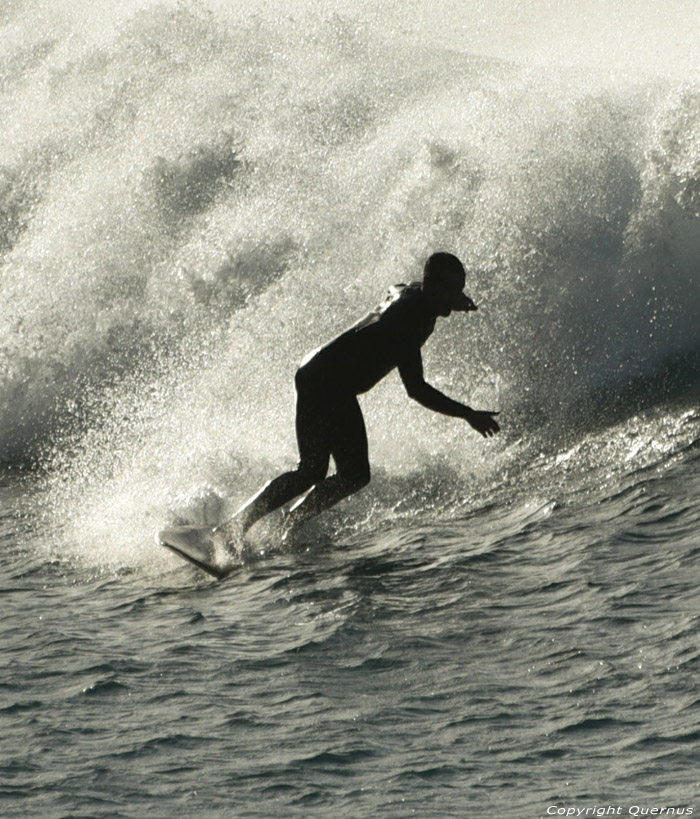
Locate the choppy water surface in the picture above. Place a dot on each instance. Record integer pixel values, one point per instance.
(194, 196)
(535, 652)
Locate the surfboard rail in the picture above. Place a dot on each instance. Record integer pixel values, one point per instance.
(200, 546)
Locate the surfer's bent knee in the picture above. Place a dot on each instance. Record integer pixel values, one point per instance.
(311, 474)
(356, 478)
(364, 478)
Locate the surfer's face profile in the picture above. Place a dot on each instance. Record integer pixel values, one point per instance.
(444, 292)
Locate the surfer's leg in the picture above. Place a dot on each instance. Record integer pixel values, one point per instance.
(314, 455)
(276, 493)
(349, 450)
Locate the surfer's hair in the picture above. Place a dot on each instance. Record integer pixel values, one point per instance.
(441, 264)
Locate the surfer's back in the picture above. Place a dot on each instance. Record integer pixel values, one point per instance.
(362, 355)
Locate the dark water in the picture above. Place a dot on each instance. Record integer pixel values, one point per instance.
(191, 198)
(533, 652)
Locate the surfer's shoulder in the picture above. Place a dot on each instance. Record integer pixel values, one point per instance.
(404, 296)
(405, 291)
(407, 312)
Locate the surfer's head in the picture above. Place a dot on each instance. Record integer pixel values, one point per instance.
(443, 284)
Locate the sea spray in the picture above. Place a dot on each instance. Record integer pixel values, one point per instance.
(194, 200)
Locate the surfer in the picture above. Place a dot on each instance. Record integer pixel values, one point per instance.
(329, 421)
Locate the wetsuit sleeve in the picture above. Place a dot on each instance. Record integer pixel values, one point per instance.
(411, 372)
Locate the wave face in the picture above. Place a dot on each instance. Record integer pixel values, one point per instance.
(192, 199)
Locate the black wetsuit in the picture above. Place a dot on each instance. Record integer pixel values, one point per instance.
(328, 419)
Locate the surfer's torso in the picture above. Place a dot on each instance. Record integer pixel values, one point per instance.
(390, 336)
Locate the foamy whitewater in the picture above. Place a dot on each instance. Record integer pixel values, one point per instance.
(195, 195)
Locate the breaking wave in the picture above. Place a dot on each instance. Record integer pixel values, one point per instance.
(194, 199)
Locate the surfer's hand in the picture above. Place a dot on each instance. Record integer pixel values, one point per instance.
(483, 422)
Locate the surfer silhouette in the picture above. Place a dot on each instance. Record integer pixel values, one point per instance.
(329, 421)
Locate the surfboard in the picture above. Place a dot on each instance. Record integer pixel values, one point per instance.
(200, 546)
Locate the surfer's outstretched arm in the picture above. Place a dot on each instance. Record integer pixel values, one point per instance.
(411, 372)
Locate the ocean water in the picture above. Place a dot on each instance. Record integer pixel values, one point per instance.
(193, 196)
